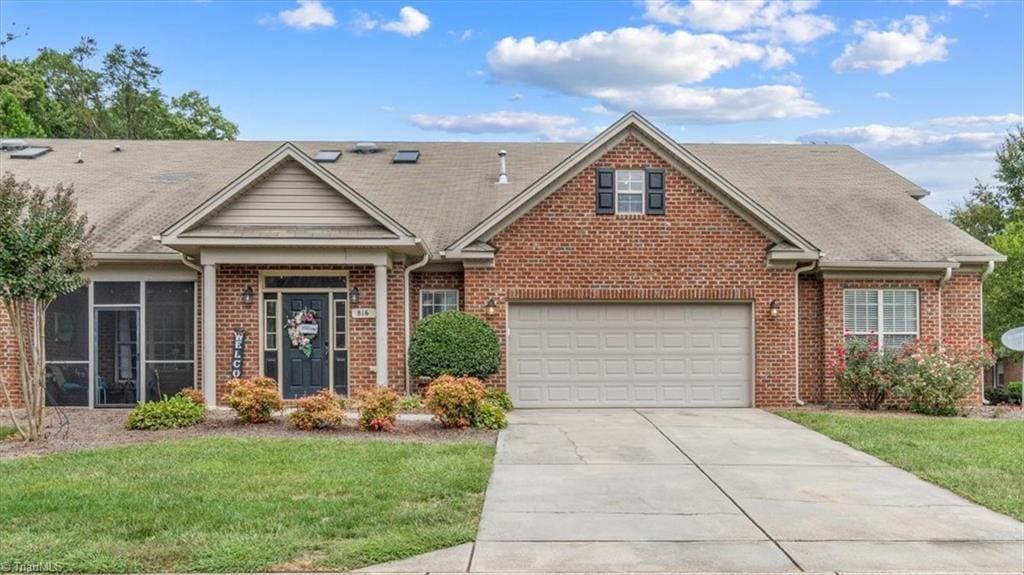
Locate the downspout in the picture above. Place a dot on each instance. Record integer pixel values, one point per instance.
(796, 314)
(184, 260)
(988, 271)
(408, 274)
(942, 284)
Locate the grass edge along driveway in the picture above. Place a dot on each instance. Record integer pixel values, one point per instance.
(979, 459)
(230, 504)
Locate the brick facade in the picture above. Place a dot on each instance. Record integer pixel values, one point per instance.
(699, 250)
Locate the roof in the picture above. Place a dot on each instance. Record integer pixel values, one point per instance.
(847, 205)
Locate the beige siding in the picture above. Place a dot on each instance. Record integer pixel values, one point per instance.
(291, 195)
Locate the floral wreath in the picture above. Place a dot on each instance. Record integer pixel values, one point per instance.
(300, 340)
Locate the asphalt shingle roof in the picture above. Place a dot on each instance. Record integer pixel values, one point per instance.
(846, 204)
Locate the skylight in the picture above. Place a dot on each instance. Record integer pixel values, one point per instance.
(327, 156)
(30, 152)
(406, 156)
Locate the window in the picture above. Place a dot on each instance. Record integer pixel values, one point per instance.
(888, 316)
(340, 322)
(434, 301)
(629, 191)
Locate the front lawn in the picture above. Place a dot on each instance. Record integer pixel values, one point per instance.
(235, 504)
(980, 459)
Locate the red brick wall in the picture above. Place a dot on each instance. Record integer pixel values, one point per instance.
(9, 370)
(811, 339)
(699, 250)
(362, 355)
(432, 281)
(960, 325)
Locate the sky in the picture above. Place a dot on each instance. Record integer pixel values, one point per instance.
(930, 88)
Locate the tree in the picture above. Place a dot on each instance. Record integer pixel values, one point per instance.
(983, 213)
(194, 118)
(45, 248)
(1004, 289)
(74, 92)
(1010, 173)
(131, 80)
(14, 122)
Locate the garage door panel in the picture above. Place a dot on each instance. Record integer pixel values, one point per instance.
(619, 354)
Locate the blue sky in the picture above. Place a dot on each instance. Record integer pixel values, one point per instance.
(929, 88)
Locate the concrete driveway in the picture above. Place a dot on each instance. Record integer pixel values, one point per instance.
(720, 490)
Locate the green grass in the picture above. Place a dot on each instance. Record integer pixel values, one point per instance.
(6, 432)
(980, 459)
(227, 504)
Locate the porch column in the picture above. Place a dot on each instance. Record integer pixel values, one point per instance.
(381, 303)
(210, 334)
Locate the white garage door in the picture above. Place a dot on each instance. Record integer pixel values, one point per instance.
(609, 355)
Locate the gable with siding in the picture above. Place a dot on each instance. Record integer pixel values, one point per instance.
(291, 196)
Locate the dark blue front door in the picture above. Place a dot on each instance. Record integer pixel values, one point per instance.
(306, 375)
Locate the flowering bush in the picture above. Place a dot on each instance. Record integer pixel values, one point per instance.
(194, 394)
(254, 400)
(863, 373)
(455, 401)
(378, 409)
(937, 378)
(324, 410)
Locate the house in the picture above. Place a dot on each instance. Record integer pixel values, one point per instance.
(628, 271)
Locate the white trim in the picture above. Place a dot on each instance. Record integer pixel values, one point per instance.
(439, 290)
(92, 348)
(142, 342)
(380, 275)
(642, 192)
(210, 335)
(287, 256)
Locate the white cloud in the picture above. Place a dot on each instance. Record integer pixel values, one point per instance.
(884, 96)
(630, 56)
(680, 104)
(597, 109)
(411, 22)
(954, 2)
(461, 36)
(547, 126)
(515, 97)
(906, 42)
(909, 142)
(387, 109)
(777, 21)
(777, 57)
(962, 121)
(309, 14)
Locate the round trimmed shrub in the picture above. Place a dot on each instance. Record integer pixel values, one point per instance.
(454, 343)
(323, 410)
(254, 400)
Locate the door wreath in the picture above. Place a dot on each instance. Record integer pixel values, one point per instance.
(303, 326)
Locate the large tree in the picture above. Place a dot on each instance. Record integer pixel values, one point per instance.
(45, 248)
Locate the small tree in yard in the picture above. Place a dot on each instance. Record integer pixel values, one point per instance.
(45, 248)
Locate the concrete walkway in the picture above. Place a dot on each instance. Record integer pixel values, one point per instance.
(710, 490)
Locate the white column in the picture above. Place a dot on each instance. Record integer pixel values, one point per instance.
(210, 334)
(381, 302)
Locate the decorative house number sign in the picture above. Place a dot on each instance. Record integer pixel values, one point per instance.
(364, 312)
(237, 353)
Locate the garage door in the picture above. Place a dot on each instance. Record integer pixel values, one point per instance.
(609, 355)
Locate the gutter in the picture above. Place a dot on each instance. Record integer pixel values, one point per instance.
(796, 314)
(408, 273)
(942, 283)
(184, 260)
(988, 271)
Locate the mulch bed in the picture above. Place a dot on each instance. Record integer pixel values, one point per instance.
(90, 428)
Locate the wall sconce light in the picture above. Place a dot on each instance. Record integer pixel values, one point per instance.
(773, 308)
(247, 295)
(491, 307)
(353, 295)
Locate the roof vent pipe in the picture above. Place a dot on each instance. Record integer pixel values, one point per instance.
(503, 170)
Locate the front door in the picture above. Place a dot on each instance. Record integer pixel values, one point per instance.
(306, 356)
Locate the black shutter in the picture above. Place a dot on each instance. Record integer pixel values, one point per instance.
(655, 192)
(605, 191)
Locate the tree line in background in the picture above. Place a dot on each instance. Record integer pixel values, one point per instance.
(59, 95)
(994, 213)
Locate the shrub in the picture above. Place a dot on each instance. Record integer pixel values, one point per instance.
(997, 395)
(194, 394)
(254, 400)
(937, 378)
(863, 373)
(170, 413)
(324, 410)
(455, 401)
(410, 403)
(490, 415)
(454, 343)
(499, 397)
(1013, 391)
(378, 409)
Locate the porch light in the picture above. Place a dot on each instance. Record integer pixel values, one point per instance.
(491, 307)
(773, 308)
(353, 295)
(247, 295)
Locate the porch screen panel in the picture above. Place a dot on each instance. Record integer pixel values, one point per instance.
(170, 338)
(67, 349)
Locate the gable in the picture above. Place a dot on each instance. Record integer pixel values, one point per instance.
(290, 195)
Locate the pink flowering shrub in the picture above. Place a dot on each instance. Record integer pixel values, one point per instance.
(864, 373)
(937, 378)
